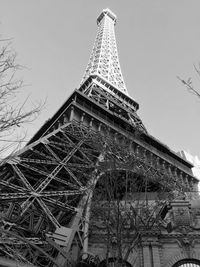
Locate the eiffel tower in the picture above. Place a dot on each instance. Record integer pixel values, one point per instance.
(46, 188)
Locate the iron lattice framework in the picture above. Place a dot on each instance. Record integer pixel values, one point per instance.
(104, 58)
(46, 188)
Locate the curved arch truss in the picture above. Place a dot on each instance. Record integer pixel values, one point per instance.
(44, 190)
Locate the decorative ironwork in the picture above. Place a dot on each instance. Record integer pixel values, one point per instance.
(104, 58)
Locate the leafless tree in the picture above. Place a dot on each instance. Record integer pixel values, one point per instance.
(127, 202)
(123, 216)
(12, 114)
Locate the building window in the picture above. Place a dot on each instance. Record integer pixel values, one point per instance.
(187, 263)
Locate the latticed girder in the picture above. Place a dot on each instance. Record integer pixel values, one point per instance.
(104, 57)
(117, 106)
(41, 186)
(45, 187)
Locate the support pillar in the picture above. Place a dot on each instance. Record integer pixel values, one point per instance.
(156, 254)
(151, 255)
(147, 259)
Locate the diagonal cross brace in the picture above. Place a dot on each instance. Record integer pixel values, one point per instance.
(51, 176)
(22, 177)
(57, 158)
(48, 212)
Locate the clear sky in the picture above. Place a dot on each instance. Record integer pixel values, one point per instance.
(157, 40)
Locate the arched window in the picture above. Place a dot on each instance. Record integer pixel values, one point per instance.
(187, 263)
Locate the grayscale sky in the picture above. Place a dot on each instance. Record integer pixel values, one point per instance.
(157, 40)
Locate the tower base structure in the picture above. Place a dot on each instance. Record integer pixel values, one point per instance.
(93, 188)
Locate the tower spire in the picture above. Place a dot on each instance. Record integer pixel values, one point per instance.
(104, 60)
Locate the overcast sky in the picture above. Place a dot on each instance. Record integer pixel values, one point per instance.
(157, 40)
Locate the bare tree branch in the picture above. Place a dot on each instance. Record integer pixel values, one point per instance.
(12, 115)
(188, 83)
